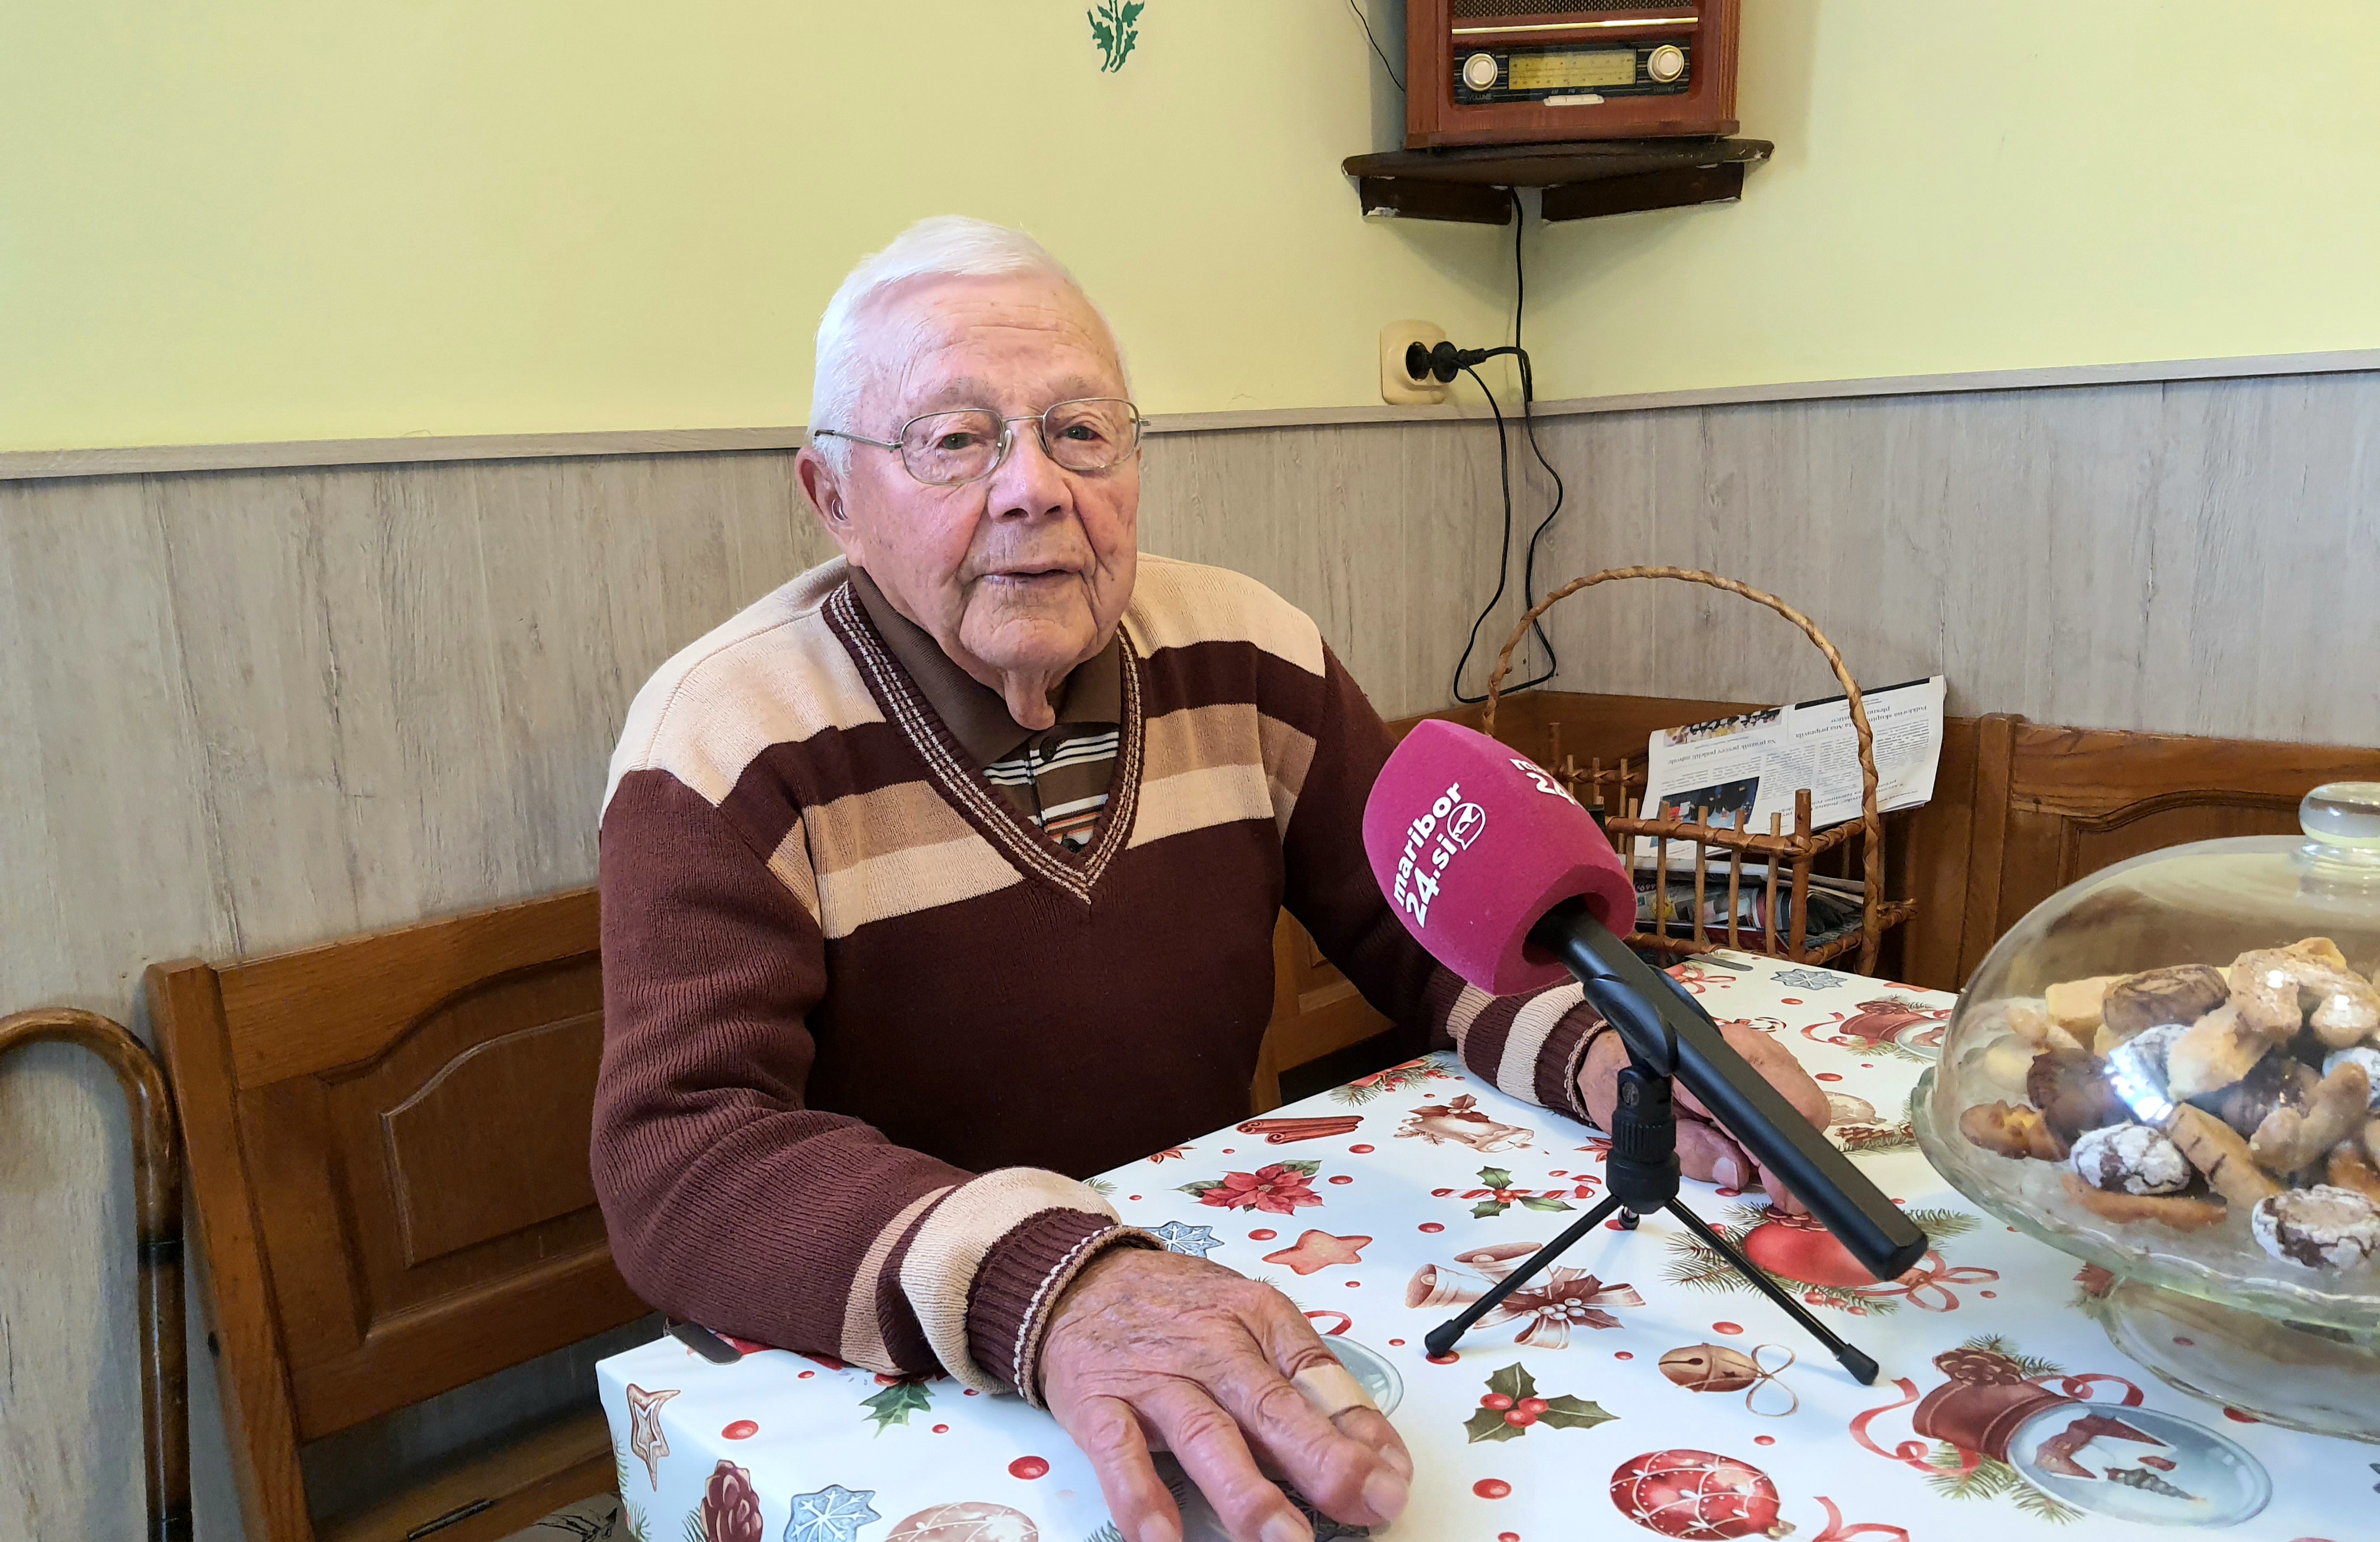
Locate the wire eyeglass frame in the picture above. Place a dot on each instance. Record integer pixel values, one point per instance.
(1127, 444)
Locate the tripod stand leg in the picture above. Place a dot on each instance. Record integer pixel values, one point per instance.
(1854, 1359)
(1440, 1340)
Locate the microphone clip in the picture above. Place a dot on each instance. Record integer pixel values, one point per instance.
(1641, 1170)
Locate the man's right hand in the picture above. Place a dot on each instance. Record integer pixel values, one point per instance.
(1156, 1351)
(1705, 1150)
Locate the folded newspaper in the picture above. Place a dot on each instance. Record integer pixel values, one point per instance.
(1744, 769)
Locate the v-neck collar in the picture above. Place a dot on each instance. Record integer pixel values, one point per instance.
(960, 777)
(975, 714)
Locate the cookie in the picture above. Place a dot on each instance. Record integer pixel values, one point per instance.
(2321, 1227)
(2363, 1055)
(2070, 1088)
(2182, 994)
(2130, 1158)
(2152, 1050)
(2275, 1082)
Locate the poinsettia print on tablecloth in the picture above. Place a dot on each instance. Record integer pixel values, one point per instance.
(1279, 1188)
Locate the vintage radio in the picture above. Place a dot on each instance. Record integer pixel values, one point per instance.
(1527, 71)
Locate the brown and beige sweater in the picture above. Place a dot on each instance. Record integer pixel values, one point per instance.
(866, 1026)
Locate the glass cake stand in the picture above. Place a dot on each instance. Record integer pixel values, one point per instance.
(2156, 1071)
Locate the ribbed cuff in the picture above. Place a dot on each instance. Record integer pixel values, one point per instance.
(1022, 1278)
(1564, 1057)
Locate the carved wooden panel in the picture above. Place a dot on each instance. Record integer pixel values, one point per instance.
(2085, 844)
(464, 1146)
(470, 1155)
(409, 1118)
(2053, 804)
(462, 1187)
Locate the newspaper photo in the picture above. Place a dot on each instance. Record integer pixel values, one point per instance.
(1744, 768)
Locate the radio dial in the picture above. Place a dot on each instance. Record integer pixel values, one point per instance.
(1479, 71)
(1666, 63)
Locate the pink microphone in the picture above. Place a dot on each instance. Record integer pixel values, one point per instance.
(1501, 877)
(1474, 843)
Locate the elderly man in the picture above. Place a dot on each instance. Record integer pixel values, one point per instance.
(946, 876)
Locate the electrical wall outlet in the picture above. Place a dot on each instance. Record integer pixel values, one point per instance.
(1397, 387)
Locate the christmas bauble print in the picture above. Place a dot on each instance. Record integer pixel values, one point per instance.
(974, 1521)
(1697, 1494)
(1800, 1247)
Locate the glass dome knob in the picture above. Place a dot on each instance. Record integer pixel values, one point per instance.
(2342, 821)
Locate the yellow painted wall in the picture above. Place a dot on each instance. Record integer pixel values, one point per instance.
(277, 219)
(2004, 184)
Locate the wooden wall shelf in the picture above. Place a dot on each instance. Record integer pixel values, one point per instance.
(1581, 179)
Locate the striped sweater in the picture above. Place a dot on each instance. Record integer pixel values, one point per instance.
(866, 1027)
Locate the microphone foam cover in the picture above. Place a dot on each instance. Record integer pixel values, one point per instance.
(1472, 844)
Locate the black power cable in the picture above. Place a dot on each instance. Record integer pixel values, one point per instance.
(1444, 366)
(1365, 22)
(1529, 425)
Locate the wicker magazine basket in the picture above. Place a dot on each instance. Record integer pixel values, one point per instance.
(1793, 851)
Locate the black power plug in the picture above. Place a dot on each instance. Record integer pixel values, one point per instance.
(1443, 362)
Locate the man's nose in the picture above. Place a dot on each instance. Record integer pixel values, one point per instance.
(1029, 483)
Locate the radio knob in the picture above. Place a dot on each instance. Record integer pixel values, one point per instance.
(1479, 71)
(1666, 63)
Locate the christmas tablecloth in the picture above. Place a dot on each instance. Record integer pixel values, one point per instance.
(1637, 1385)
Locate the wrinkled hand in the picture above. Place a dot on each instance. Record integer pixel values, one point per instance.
(1151, 1350)
(1705, 1150)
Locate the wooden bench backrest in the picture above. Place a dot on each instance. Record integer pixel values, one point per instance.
(2053, 804)
(388, 1151)
(2020, 810)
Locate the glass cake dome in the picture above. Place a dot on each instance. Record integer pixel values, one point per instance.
(2171, 1070)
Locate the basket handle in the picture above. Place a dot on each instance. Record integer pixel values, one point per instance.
(1871, 820)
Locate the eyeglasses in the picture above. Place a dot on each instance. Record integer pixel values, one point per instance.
(943, 449)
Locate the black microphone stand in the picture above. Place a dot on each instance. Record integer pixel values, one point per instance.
(1642, 1176)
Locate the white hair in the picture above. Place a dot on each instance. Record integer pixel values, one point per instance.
(947, 246)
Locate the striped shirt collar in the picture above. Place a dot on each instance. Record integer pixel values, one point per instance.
(975, 714)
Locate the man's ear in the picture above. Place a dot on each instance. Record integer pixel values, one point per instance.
(826, 494)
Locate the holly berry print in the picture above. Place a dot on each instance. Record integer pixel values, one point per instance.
(1281, 1188)
(900, 1398)
(1499, 1195)
(1512, 1408)
(1384, 1216)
